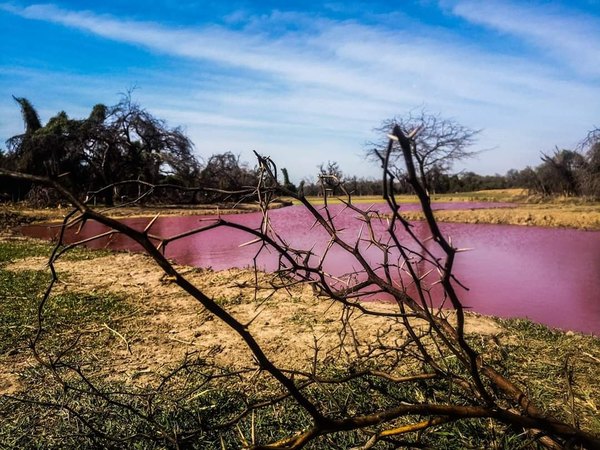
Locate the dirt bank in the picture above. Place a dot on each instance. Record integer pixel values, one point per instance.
(166, 324)
(17, 214)
(583, 217)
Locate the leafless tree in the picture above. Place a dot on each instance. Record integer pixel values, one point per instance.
(440, 143)
(590, 176)
(226, 173)
(421, 343)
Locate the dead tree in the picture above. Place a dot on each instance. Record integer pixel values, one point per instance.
(440, 144)
(431, 347)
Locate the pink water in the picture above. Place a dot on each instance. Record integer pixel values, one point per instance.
(551, 276)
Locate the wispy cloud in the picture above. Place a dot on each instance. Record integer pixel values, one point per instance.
(345, 56)
(296, 84)
(572, 38)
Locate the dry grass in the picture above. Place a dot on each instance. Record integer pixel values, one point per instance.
(13, 214)
(491, 195)
(551, 365)
(583, 217)
(168, 323)
(562, 212)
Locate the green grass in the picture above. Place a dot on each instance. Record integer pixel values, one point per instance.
(212, 405)
(543, 371)
(12, 250)
(21, 292)
(20, 295)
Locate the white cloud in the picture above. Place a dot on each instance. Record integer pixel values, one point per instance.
(570, 37)
(314, 93)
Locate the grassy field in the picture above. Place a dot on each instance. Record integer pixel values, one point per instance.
(127, 329)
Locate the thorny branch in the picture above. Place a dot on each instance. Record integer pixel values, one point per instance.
(468, 387)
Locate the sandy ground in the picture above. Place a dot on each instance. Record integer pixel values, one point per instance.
(166, 324)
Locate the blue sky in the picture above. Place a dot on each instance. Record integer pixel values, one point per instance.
(306, 82)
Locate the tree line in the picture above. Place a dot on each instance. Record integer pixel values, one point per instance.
(116, 148)
(564, 173)
(440, 142)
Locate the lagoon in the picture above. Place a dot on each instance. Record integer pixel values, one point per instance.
(548, 275)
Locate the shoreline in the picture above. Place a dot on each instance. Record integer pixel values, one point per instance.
(586, 218)
(230, 276)
(547, 215)
(12, 215)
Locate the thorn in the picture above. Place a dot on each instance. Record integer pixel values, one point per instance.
(253, 241)
(81, 224)
(151, 223)
(242, 437)
(425, 274)
(416, 131)
(360, 231)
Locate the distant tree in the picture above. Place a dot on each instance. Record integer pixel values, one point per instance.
(591, 181)
(7, 186)
(286, 181)
(225, 172)
(122, 142)
(439, 144)
(330, 176)
(512, 178)
(46, 150)
(309, 187)
(526, 178)
(559, 172)
(437, 179)
(363, 186)
(38, 150)
(590, 176)
(126, 142)
(31, 118)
